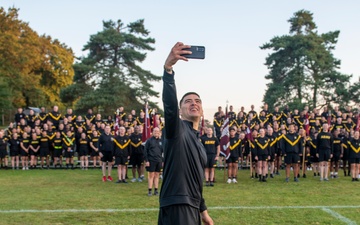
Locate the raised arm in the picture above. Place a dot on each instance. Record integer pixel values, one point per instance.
(171, 108)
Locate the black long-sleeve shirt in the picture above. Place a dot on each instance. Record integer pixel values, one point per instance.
(324, 142)
(122, 146)
(291, 143)
(105, 144)
(153, 150)
(184, 155)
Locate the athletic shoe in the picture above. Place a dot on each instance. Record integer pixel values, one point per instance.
(326, 179)
(321, 179)
(156, 193)
(133, 180)
(234, 181)
(23, 168)
(271, 175)
(356, 179)
(27, 168)
(304, 175)
(161, 177)
(104, 179)
(211, 184)
(124, 181)
(142, 177)
(296, 179)
(207, 183)
(228, 181)
(109, 178)
(118, 181)
(314, 174)
(140, 180)
(149, 194)
(287, 180)
(277, 173)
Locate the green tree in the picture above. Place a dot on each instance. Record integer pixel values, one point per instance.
(33, 67)
(109, 76)
(303, 69)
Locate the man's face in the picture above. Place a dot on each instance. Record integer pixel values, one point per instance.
(209, 131)
(122, 131)
(107, 129)
(191, 107)
(156, 132)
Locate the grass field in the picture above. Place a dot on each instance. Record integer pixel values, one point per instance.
(80, 197)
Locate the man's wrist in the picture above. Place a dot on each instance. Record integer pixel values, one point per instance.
(168, 69)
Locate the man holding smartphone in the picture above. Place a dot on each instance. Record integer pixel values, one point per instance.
(181, 200)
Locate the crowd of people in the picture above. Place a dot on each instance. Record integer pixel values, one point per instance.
(299, 139)
(264, 141)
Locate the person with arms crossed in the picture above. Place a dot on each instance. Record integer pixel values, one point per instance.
(181, 198)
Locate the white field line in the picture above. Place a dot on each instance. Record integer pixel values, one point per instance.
(156, 209)
(339, 216)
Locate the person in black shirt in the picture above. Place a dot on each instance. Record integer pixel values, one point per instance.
(354, 155)
(181, 200)
(57, 145)
(24, 151)
(262, 154)
(337, 154)
(68, 145)
(137, 154)
(153, 157)
(212, 147)
(106, 148)
(122, 154)
(83, 151)
(324, 151)
(291, 147)
(14, 144)
(45, 149)
(94, 148)
(19, 115)
(34, 150)
(235, 155)
(54, 116)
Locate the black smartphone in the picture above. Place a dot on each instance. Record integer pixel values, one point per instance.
(198, 52)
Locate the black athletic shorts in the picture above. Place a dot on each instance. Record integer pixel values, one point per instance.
(262, 157)
(136, 160)
(324, 155)
(31, 152)
(354, 160)
(83, 152)
(3, 153)
(57, 153)
(44, 152)
(211, 162)
(121, 160)
(291, 158)
(336, 157)
(154, 167)
(232, 160)
(314, 159)
(107, 157)
(179, 215)
(14, 153)
(23, 153)
(69, 154)
(94, 153)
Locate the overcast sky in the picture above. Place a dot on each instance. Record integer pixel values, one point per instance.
(231, 31)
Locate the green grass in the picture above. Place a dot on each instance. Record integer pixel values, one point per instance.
(77, 189)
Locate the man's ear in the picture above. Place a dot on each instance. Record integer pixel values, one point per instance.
(180, 111)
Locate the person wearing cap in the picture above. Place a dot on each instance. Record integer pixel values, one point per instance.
(181, 197)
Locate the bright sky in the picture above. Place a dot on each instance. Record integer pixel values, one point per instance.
(231, 31)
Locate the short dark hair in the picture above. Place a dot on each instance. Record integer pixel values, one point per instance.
(189, 93)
